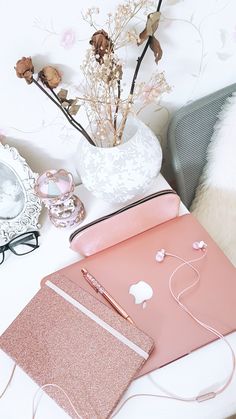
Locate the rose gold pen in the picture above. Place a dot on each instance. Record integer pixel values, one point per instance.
(99, 288)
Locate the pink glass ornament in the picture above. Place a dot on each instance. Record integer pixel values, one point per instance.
(55, 188)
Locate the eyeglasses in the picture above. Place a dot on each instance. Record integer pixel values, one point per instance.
(21, 245)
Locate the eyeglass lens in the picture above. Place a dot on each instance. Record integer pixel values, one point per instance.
(23, 244)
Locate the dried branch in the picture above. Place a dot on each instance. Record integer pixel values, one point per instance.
(117, 103)
(67, 115)
(131, 93)
(103, 69)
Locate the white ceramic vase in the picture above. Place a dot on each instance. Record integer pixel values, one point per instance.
(118, 174)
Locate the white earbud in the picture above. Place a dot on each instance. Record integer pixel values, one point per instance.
(160, 255)
(199, 245)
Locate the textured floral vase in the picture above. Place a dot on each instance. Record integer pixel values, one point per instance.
(118, 174)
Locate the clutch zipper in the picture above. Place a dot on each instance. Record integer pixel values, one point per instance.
(134, 204)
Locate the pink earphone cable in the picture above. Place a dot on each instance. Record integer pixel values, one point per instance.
(34, 408)
(201, 323)
(205, 396)
(9, 381)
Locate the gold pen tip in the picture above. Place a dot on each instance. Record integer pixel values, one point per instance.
(84, 271)
(130, 320)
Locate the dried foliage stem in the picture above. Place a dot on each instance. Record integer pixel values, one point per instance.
(131, 93)
(65, 111)
(109, 105)
(117, 103)
(135, 12)
(68, 117)
(102, 97)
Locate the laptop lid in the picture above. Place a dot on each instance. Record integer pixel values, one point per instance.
(130, 273)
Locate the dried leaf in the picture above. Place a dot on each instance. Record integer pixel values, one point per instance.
(65, 104)
(156, 48)
(74, 109)
(62, 95)
(151, 27)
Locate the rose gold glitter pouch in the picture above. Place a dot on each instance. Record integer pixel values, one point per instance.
(67, 337)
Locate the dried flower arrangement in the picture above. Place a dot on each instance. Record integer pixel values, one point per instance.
(106, 109)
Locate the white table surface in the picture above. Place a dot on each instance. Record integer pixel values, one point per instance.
(20, 280)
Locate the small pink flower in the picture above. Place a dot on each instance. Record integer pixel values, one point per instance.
(68, 38)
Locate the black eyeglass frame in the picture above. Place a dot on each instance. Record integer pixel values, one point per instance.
(8, 246)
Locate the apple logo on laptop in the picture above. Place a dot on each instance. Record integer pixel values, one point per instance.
(142, 292)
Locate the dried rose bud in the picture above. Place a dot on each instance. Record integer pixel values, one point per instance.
(102, 44)
(25, 69)
(50, 76)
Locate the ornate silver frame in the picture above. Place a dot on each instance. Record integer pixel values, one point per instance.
(28, 217)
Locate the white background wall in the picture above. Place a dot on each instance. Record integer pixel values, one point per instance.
(199, 56)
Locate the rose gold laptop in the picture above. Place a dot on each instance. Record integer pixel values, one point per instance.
(139, 283)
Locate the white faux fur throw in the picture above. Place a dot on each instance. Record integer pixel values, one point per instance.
(214, 204)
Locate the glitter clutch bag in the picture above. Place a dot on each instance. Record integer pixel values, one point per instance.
(67, 337)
